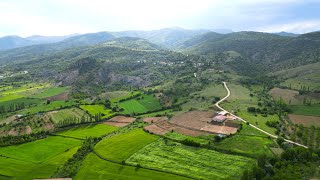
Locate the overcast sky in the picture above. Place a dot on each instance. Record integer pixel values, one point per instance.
(62, 17)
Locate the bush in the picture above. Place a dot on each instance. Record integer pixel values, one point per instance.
(251, 109)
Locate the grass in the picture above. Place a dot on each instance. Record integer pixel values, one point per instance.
(40, 150)
(120, 147)
(17, 169)
(47, 107)
(312, 110)
(66, 113)
(9, 97)
(96, 109)
(181, 137)
(50, 92)
(26, 101)
(195, 162)
(162, 113)
(142, 104)
(95, 168)
(93, 130)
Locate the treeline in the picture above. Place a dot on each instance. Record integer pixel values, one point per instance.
(71, 167)
(12, 107)
(14, 140)
(84, 119)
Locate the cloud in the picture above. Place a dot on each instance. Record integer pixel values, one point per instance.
(59, 17)
(295, 27)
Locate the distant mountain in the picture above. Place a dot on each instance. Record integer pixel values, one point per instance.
(10, 42)
(263, 51)
(168, 37)
(27, 53)
(222, 31)
(287, 34)
(132, 43)
(48, 39)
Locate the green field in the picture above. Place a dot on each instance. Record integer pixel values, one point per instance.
(63, 114)
(93, 130)
(181, 137)
(24, 170)
(26, 101)
(96, 109)
(47, 107)
(108, 170)
(312, 110)
(195, 162)
(50, 92)
(40, 150)
(120, 147)
(116, 96)
(9, 97)
(141, 104)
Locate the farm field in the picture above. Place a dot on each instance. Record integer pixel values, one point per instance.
(96, 109)
(120, 147)
(108, 170)
(24, 170)
(40, 150)
(306, 121)
(47, 107)
(26, 101)
(116, 96)
(58, 116)
(93, 130)
(312, 110)
(200, 164)
(142, 104)
(50, 92)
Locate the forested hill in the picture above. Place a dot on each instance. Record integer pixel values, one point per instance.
(270, 51)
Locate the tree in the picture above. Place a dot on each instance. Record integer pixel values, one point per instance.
(251, 109)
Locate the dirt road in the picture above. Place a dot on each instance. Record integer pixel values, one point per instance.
(271, 135)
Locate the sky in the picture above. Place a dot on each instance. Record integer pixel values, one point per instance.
(63, 17)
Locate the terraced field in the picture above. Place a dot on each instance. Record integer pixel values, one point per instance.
(47, 107)
(96, 109)
(195, 162)
(93, 130)
(108, 170)
(120, 147)
(58, 116)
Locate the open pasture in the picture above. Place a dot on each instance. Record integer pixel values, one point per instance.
(44, 107)
(52, 91)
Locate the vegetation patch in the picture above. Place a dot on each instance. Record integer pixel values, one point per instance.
(50, 92)
(58, 116)
(141, 104)
(312, 110)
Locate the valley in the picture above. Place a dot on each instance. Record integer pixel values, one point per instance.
(112, 105)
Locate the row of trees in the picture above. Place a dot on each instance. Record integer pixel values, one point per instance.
(13, 140)
(12, 107)
(84, 119)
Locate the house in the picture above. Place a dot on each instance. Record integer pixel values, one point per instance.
(218, 120)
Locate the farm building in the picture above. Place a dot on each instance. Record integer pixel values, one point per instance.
(218, 120)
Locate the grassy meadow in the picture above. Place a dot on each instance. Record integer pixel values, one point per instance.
(96, 109)
(93, 130)
(141, 104)
(58, 116)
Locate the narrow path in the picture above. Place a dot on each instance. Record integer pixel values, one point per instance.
(271, 135)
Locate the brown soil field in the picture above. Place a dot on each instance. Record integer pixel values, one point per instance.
(116, 124)
(153, 128)
(193, 119)
(306, 121)
(198, 121)
(154, 119)
(122, 119)
(289, 96)
(62, 96)
(219, 129)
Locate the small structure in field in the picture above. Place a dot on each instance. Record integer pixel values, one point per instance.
(19, 116)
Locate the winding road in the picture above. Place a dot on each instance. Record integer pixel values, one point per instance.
(271, 135)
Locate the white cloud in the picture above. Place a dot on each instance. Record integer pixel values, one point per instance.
(295, 27)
